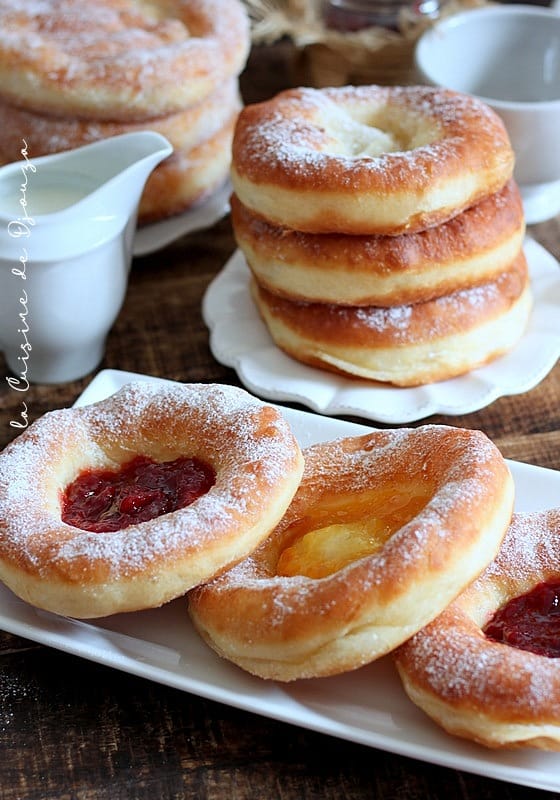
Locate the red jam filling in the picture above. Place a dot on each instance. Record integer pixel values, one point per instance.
(530, 622)
(102, 500)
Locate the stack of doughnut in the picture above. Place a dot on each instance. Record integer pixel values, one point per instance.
(383, 230)
(297, 564)
(75, 72)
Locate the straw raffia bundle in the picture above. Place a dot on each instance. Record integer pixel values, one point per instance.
(329, 57)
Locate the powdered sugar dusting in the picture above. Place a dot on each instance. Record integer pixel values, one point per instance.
(394, 318)
(531, 547)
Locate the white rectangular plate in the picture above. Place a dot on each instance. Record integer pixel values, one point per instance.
(366, 706)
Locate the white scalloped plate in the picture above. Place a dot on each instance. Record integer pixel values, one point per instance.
(367, 706)
(240, 340)
(150, 238)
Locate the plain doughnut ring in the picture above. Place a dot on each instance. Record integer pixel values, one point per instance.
(119, 59)
(482, 689)
(381, 535)
(368, 159)
(246, 444)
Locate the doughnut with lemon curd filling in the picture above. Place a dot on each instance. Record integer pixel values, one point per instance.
(484, 690)
(406, 345)
(187, 177)
(382, 533)
(251, 466)
(47, 134)
(368, 159)
(473, 247)
(118, 59)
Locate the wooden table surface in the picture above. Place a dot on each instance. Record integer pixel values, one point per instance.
(74, 730)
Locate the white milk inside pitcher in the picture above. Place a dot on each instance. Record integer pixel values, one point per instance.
(44, 196)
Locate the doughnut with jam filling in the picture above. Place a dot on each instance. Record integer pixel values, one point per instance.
(493, 692)
(226, 467)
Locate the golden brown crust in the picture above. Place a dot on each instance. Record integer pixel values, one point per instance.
(75, 572)
(472, 248)
(404, 345)
(368, 159)
(118, 59)
(45, 134)
(288, 627)
(495, 694)
(187, 177)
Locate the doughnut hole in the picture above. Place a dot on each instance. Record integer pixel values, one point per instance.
(360, 132)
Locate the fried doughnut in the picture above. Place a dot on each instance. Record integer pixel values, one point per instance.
(405, 345)
(485, 690)
(383, 531)
(473, 247)
(368, 159)
(187, 177)
(45, 134)
(63, 568)
(118, 59)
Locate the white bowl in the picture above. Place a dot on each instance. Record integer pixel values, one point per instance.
(508, 56)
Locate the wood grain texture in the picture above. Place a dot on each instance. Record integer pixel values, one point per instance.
(74, 730)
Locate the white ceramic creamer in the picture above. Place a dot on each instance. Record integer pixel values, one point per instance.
(67, 224)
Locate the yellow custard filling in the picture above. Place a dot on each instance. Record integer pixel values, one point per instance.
(320, 546)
